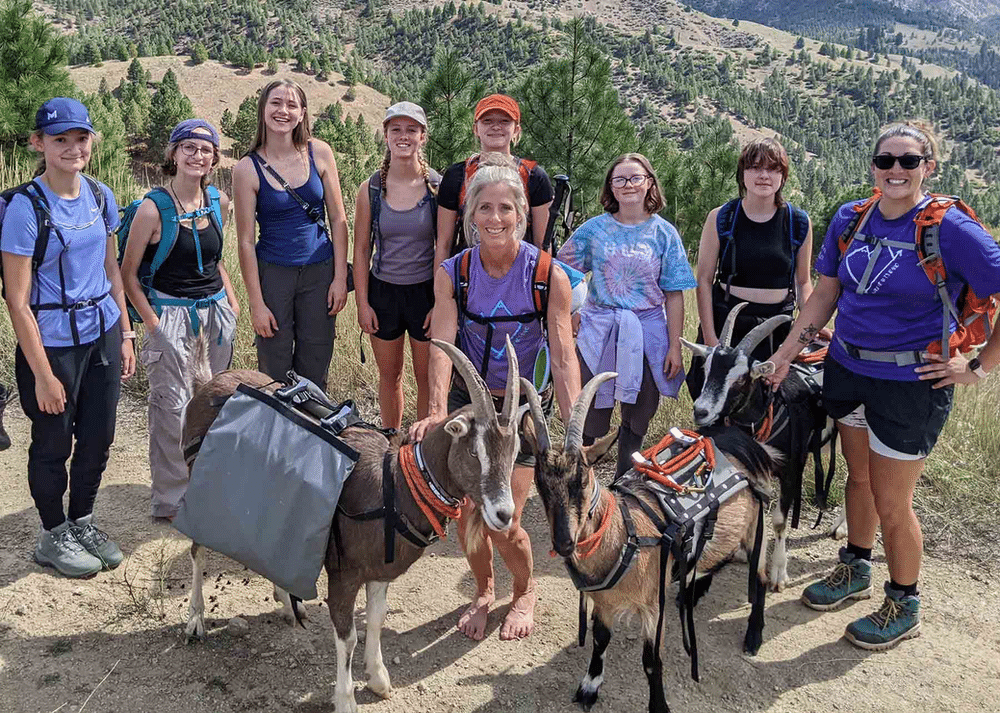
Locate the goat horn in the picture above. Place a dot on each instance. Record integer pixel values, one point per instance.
(537, 415)
(478, 393)
(697, 349)
(759, 333)
(574, 429)
(726, 336)
(511, 394)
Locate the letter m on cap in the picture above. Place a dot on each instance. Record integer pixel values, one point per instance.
(52, 115)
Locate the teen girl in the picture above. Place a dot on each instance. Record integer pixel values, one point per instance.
(74, 339)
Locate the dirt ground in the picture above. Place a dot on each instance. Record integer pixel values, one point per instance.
(114, 643)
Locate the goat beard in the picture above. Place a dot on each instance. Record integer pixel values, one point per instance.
(472, 534)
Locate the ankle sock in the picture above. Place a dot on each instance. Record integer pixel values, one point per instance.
(860, 553)
(908, 590)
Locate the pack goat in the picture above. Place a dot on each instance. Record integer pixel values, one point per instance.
(568, 488)
(470, 454)
(736, 393)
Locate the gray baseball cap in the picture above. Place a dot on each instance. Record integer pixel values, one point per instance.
(407, 109)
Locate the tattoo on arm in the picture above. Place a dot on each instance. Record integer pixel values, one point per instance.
(807, 334)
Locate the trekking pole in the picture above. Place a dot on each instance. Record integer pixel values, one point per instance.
(562, 191)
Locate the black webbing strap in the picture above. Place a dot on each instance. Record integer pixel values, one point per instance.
(823, 487)
(755, 555)
(582, 625)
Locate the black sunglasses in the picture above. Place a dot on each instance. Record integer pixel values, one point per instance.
(885, 161)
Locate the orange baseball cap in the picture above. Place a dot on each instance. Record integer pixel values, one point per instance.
(498, 102)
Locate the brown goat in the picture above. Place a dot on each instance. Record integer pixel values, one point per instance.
(575, 510)
(470, 454)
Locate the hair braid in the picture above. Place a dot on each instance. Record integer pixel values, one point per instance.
(425, 170)
(384, 171)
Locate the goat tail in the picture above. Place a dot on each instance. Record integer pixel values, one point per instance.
(199, 367)
(471, 531)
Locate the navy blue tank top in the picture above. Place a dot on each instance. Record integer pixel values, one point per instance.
(288, 236)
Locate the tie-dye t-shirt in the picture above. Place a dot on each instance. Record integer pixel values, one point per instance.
(631, 265)
(900, 310)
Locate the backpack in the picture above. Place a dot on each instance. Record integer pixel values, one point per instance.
(540, 290)
(725, 224)
(524, 168)
(46, 227)
(974, 315)
(169, 220)
(375, 203)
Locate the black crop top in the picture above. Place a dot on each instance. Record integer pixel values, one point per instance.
(178, 275)
(763, 253)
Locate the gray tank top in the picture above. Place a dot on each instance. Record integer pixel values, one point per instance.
(404, 242)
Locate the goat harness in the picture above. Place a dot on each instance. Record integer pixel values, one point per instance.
(432, 499)
(679, 485)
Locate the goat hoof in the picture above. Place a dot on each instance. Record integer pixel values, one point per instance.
(752, 644)
(585, 698)
(379, 684)
(195, 630)
(346, 705)
(778, 586)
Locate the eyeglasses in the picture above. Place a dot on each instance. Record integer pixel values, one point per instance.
(909, 161)
(636, 180)
(194, 150)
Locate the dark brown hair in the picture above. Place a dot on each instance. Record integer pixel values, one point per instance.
(913, 129)
(654, 199)
(301, 133)
(169, 165)
(763, 153)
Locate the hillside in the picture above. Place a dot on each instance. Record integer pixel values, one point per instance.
(213, 87)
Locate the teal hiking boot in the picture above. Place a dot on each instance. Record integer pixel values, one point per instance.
(96, 542)
(59, 548)
(850, 579)
(898, 619)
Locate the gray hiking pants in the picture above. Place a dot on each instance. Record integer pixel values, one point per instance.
(166, 354)
(296, 297)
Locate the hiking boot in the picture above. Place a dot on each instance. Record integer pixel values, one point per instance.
(850, 579)
(96, 542)
(896, 620)
(59, 548)
(4, 398)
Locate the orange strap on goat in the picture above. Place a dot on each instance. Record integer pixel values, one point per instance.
(430, 505)
(661, 472)
(764, 432)
(813, 357)
(588, 545)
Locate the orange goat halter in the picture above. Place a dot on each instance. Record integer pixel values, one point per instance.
(662, 472)
(430, 505)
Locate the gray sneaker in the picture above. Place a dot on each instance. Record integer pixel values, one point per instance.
(96, 541)
(59, 548)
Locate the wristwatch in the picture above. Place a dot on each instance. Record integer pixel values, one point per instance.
(976, 368)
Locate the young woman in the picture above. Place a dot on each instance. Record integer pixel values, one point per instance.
(890, 396)
(755, 249)
(395, 297)
(497, 126)
(74, 340)
(296, 272)
(633, 318)
(188, 293)
(500, 278)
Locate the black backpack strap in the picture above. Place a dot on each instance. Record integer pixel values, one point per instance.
(375, 208)
(540, 284)
(101, 201)
(462, 282)
(725, 227)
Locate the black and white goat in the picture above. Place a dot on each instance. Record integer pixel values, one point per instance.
(791, 420)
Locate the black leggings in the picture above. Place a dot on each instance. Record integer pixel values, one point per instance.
(91, 376)
(635, 417)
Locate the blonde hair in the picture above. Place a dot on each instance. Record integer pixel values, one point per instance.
(495, 169)
(300, 134)
(916, 129)
(421, 161)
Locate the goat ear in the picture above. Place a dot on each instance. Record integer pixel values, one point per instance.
(528, 430)
(762, 368)
(595, 452)
(457, 427)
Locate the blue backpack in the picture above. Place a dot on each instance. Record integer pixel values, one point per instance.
(169, 220)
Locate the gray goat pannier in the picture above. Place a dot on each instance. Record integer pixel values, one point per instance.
(265, 484)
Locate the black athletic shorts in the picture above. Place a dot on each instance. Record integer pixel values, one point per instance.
(458, 397)
(400, 308)
(907, 416)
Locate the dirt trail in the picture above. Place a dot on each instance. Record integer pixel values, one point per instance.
(59, 638)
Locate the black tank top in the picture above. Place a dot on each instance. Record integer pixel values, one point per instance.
(763, 253)
(178, 275)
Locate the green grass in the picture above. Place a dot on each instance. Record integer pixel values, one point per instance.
(957, 498)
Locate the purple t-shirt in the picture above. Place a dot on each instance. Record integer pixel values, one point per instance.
(83, 229)
(509, 295)
(900, 310)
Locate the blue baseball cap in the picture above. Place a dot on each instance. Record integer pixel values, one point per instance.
(61, 114)
(189, 129)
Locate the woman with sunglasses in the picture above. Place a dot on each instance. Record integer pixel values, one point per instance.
(890, 410)
(755, 249)
(633, 318)
(189, 292)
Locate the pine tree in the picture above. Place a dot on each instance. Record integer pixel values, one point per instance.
(199, 55)
(136, 74)
(571, 117)
(168, 106)
(448, 96)
(32, 68)
(243, 127)
(109, 160)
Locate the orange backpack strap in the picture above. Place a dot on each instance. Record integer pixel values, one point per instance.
(540, 286)
(525, 166)
(471, 166)
(862, 212)
(462, 281)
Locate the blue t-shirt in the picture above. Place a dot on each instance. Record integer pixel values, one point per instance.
(631, 265)
(79, 222)
(900, 311)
